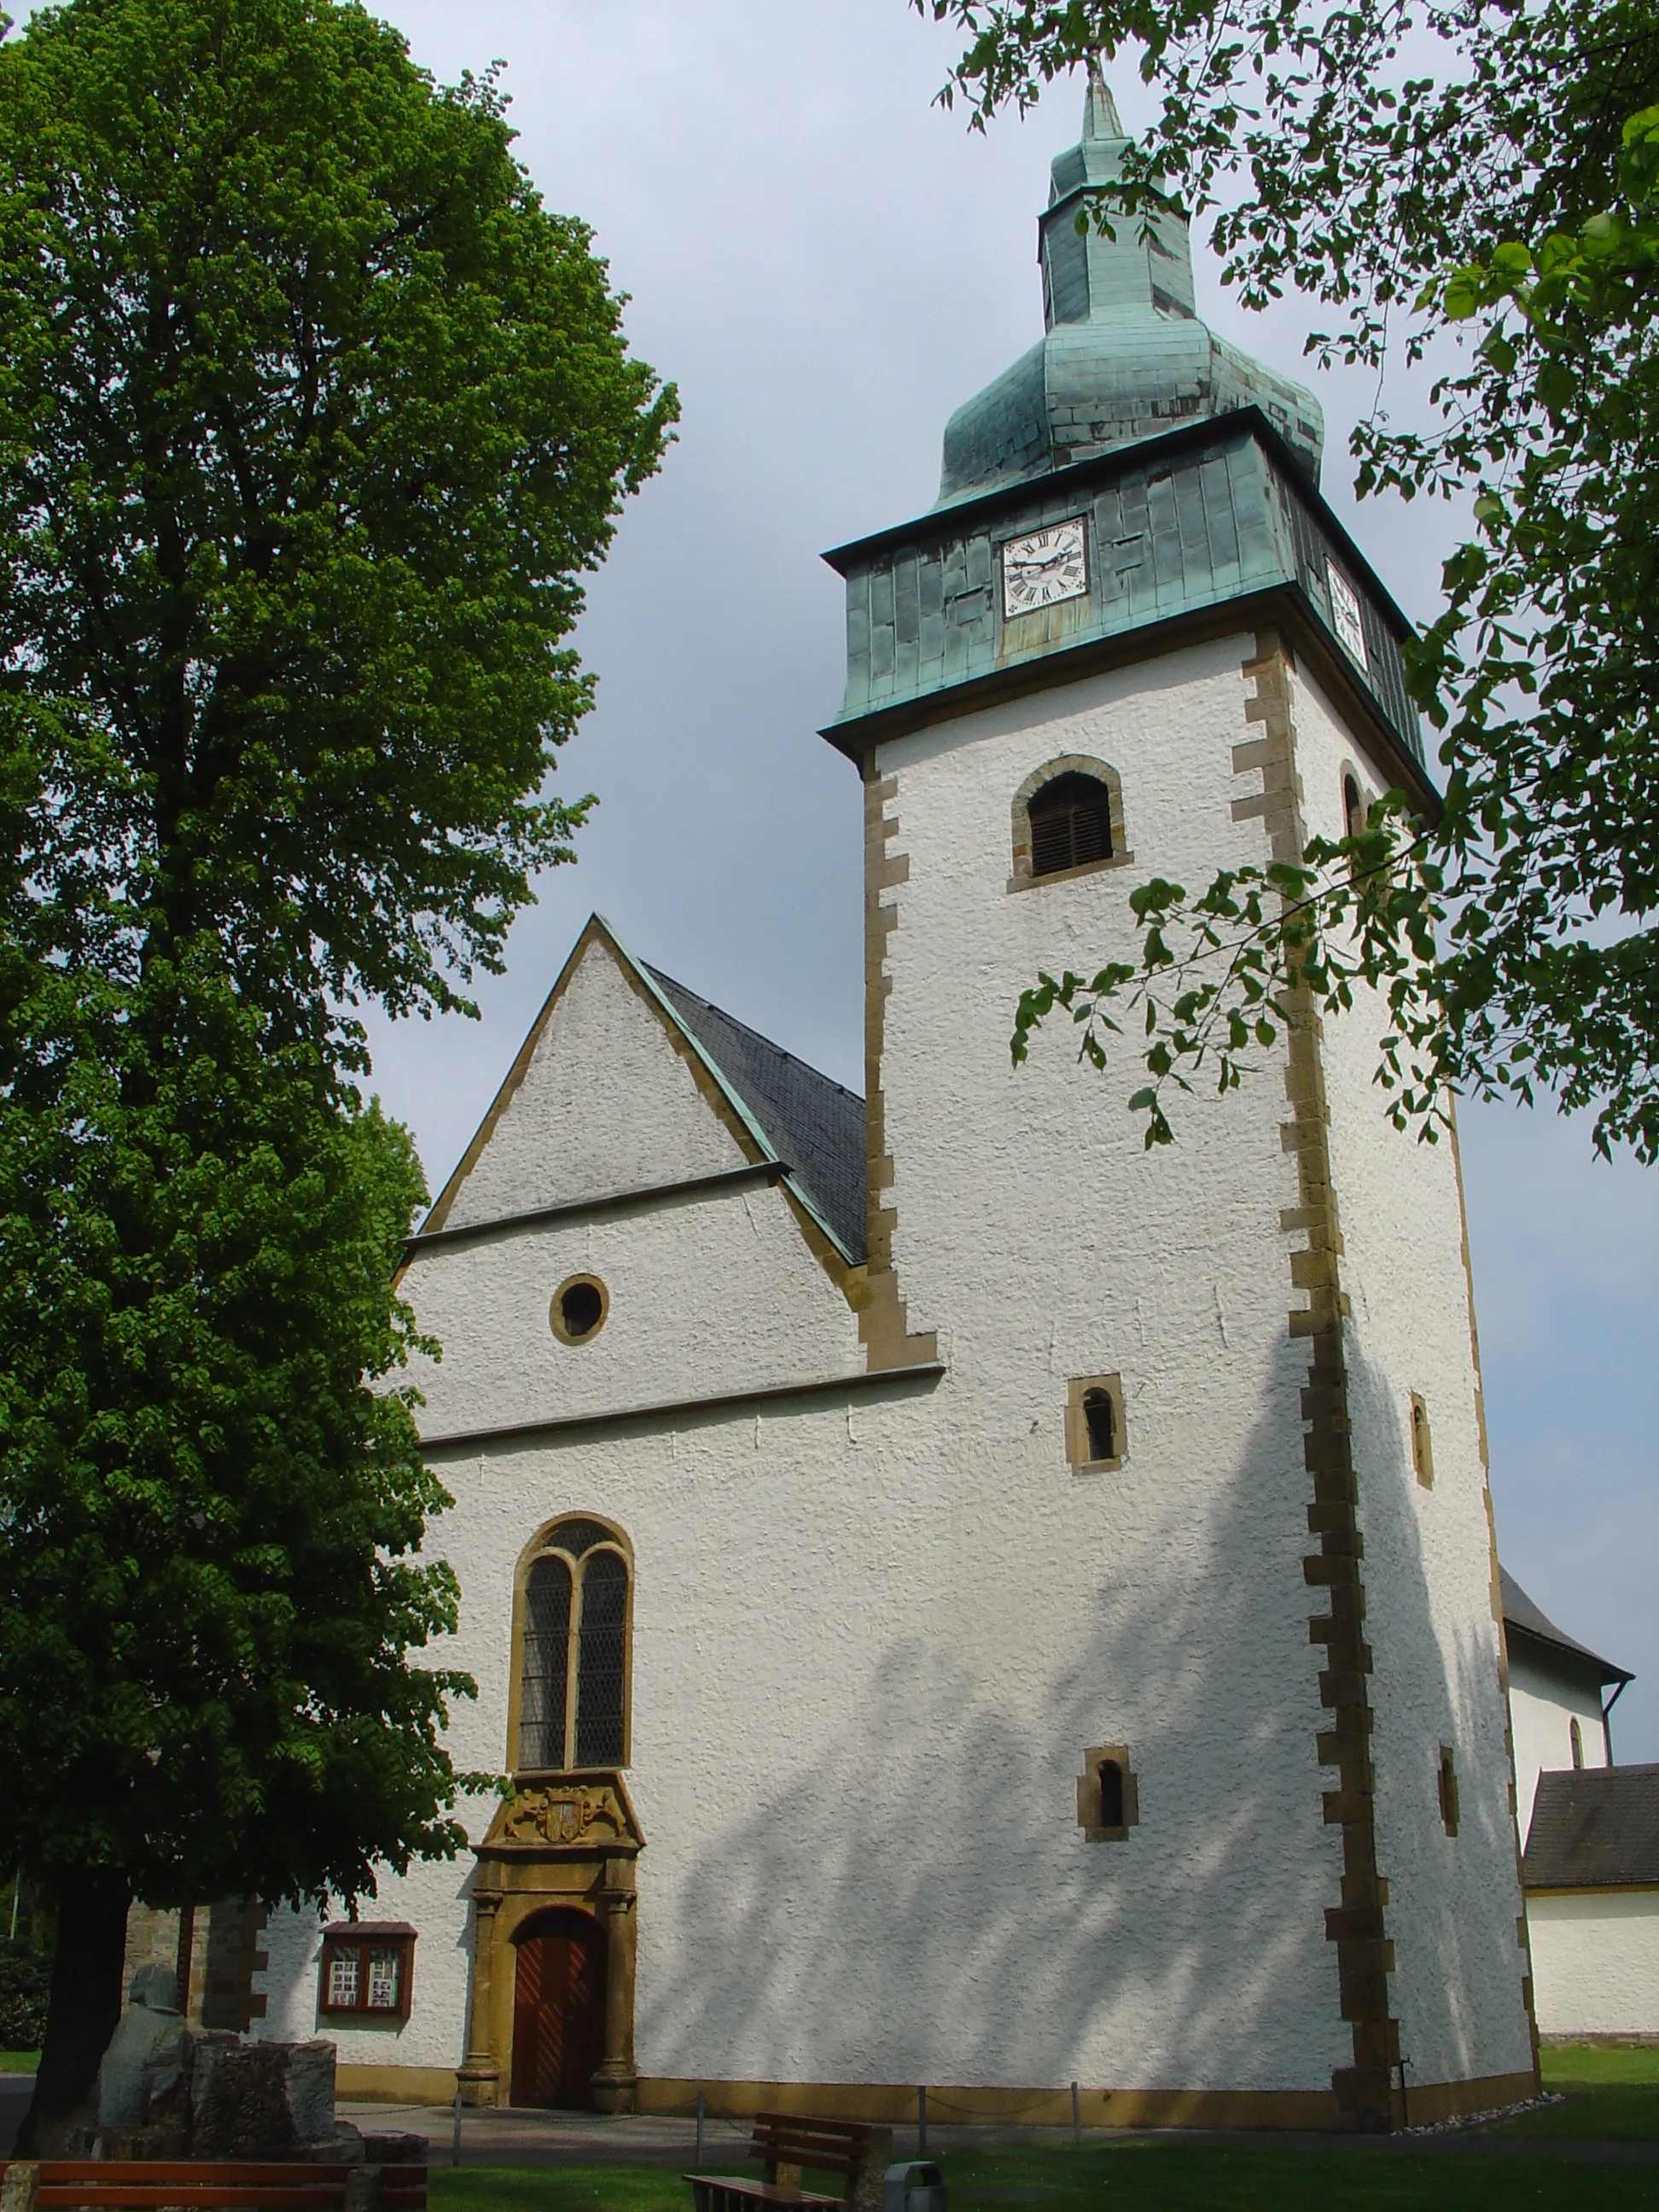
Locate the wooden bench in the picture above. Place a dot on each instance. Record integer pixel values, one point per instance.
(784, 2142)
(207, 2185)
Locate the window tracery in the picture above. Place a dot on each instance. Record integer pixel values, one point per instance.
(573, 1670)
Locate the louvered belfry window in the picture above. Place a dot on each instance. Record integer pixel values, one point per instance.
(1071, 821)
(573, 1679)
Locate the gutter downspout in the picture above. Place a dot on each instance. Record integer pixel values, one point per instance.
(1606, 1718)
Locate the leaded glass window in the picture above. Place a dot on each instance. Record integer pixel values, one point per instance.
(543, 1690)
(573, 1693)
(599, 1677)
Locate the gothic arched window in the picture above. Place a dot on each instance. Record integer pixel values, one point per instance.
(573, 1649)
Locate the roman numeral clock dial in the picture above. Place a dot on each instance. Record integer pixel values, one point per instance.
(1048, 566)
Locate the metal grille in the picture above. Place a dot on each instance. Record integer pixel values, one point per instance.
(1071, 823)
(546, 1664)
(599, 1667)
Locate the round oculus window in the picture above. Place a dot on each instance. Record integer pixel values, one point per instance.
(579, 1306)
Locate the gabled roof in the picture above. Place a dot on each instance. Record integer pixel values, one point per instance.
(1521, 1616)
(810, 1122)
(1593, 1827)
(780, 1110)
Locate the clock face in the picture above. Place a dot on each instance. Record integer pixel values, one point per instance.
(1050, 565)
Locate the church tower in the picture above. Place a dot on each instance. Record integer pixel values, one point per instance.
(1215, 1413)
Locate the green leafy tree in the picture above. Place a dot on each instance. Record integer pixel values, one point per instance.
(1428, 173)
(207, 1597)
(312, 417)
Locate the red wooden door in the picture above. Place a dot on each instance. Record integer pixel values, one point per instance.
(558, 2010)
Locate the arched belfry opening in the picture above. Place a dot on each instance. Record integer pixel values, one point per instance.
(1067, 819)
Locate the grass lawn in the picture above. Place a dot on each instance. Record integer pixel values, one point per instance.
(19, 2062)
(1612, 2093)
(1140, 2177)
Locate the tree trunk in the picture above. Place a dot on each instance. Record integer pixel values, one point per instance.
(86, 1976)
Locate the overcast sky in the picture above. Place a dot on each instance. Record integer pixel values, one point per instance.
(827, 264)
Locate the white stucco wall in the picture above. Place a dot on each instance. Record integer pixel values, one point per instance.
(709, 1290)
(433, 1897)
(872, 1639)
(1165, 1604)
(601, 1108)
(1453, 1901)
(1595, 1962)
(1545, 1700)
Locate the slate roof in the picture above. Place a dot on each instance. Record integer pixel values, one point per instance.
(1520, 1615)
(1593, 1827)
(813, 1124)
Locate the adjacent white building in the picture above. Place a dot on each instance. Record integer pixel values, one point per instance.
(1591, 1865)
(966, 1602)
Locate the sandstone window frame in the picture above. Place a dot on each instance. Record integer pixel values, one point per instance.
(1356, 801)
(1422, 1441)
(359, 1944)
(587, 1537)
(1078, 1445)
(1091, 1791)
(584, 1280)
(1023, 879)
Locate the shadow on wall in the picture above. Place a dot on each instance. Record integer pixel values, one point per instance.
(916, 1902)
(1459, 1945)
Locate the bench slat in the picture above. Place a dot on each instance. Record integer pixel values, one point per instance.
(223, 2196)
(762, 2192)
(293, 2174)
(847, 2130)
(830, 2146)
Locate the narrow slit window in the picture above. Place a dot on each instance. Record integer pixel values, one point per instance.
(1111, 1794)
(1422, 1443)
(1447, 1789)
(1071, 821)
(1100, 1419)
(1095, 1436)
(1577, 1736)
(1108, 1797)
(1354, 808)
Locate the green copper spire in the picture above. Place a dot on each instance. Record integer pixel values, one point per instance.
(1125, 357)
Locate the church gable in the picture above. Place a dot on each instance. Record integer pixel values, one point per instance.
(620, 1160)
(599, 1100)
